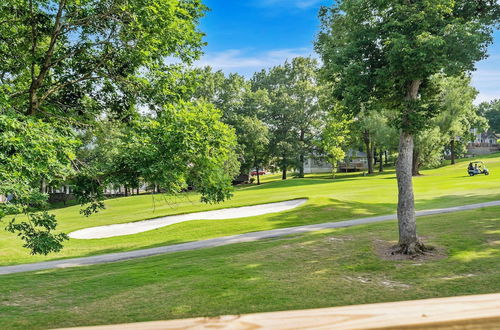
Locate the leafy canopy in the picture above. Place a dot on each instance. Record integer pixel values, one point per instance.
(385, 50)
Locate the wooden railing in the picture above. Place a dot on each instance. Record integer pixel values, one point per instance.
(465, 312)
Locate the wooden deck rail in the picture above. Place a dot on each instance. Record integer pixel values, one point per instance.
(464, 312)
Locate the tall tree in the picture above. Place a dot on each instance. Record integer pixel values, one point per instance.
(491, 110)
(293, 112)
(458, 111)
(305, 90)
(253, 136)
(333, 137)
(241, 108)
(65, 65)
(388, 50)
(450, 129)
(70, 52)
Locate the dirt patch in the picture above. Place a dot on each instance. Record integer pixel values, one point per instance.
(338, 239)
(457, 277)
(377, 281)
(386, 250)
(494, 243)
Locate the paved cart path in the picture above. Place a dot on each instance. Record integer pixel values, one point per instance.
(248, 237)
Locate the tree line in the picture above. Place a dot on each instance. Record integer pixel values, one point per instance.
(89, 96)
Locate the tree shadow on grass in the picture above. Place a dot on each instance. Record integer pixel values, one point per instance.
(310, 213)
(454, 200)
(287, 184)
(315, 180)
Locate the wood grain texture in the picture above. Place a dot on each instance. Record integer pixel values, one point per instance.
(464, 312)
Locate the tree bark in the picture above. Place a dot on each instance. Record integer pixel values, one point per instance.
(408, 240)
(258, 176)
(369, 151)
(43, 186)
(283, 167)
(381, 163)
(36, 82)
(452, 150)
(415, 164)
(301, 157)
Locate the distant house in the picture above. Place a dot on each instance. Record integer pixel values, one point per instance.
(354, 161)
(483, 143)
(317, 165)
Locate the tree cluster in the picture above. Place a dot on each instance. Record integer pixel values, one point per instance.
(87, 97)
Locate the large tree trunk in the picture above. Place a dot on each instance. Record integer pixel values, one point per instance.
(415, 164)
(408, 240)
(369, 151)
(452, 150)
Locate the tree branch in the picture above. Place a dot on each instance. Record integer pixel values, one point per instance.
(36, 83)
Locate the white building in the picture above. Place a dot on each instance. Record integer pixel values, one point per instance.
(317, 165)
(353, 161)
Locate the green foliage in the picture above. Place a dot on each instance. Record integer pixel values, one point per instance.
(457, 116)
(88, 191)
(388, 50)
(253, 136)
(429, 148)
(37, 233)
(334, 137)
(293, 112)
(32, 152)
(186, 146)
(74, 58)
(85, 70)
(491, 110)
(201, 150)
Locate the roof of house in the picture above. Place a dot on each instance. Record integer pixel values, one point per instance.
(355, 153)
(489, 135)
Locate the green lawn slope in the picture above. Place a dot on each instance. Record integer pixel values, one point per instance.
(347, 197)
(321, 269)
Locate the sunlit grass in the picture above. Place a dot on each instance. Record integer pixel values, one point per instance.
(321, 269)
(349, 196)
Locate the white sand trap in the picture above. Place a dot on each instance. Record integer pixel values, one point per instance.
(142, 226)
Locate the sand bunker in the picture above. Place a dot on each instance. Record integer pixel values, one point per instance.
(142, 226)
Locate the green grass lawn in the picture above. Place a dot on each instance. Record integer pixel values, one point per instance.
(322, 269)
(349, 196)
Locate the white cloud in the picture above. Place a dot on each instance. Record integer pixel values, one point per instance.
(300, 4)
(486, 78)
(242, 62)
(487, 82)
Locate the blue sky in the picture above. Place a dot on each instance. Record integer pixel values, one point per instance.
(247, 36)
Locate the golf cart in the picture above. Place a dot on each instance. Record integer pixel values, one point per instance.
(477, 168)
